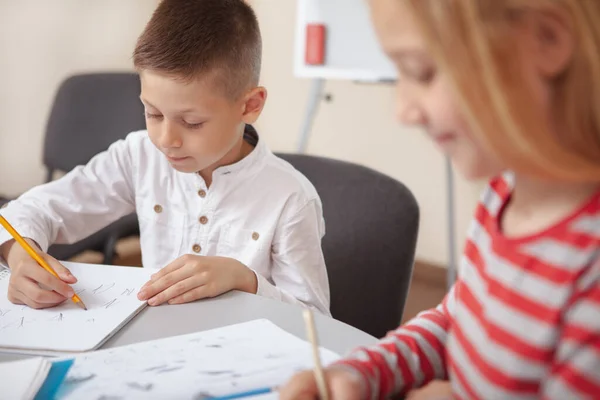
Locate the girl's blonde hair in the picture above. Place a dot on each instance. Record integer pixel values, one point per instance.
(474, 41)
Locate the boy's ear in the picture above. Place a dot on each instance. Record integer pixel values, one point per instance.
(254, 102)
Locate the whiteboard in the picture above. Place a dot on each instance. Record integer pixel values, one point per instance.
(352, 51)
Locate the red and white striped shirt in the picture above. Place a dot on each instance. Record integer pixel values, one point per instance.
(522, 322)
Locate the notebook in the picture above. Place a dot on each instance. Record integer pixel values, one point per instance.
(23, 378)
(110, 294)
(201, 365)
(33, 378)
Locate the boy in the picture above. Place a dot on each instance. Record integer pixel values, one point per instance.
(217, 210)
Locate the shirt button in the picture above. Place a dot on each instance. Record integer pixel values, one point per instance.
(196, 248)
(202, 193)
(203, 220)
(255, 236)
(158, 209)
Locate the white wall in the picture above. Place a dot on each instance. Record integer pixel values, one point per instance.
(42, 42)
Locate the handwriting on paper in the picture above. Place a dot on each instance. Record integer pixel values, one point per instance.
(198, 366)
(102, 297)
(109, 294)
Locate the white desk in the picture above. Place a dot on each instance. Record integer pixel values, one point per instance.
(231, 308)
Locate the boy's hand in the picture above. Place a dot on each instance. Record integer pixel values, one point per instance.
(435, 390)
(31, 284)
(343, 384)
(192, 277)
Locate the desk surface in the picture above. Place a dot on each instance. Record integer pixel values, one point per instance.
(231, 308)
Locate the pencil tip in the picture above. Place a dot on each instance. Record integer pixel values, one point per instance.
(80, 304)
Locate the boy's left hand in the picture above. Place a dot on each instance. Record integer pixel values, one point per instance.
(191, 277)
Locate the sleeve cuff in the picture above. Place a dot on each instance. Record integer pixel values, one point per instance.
(26, 232)
(269, 290)
(264, 288)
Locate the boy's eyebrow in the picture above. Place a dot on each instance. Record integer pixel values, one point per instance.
(146, 102)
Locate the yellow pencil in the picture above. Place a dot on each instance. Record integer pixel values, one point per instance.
(31, 251)
(312, 336)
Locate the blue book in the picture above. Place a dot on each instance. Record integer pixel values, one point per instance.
(56, 376)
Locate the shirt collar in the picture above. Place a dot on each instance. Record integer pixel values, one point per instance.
(248, 162)
(246, 165)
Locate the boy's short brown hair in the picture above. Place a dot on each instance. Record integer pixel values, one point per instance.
(191, 38)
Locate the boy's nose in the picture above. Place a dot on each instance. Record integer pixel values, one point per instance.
(169, 137)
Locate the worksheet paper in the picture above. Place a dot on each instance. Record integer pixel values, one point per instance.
(197, 366)
(110, 294)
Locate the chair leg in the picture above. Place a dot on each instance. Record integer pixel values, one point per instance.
(109, 249)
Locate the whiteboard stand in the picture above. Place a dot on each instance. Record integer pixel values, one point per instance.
(314, 101)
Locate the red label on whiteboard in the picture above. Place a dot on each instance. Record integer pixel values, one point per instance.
(315, 44)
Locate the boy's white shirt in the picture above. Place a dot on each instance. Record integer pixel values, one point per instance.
(260, 211)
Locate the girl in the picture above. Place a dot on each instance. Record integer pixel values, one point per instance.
(510, 90)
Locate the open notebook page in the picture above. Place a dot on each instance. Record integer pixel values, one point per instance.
(110, 294)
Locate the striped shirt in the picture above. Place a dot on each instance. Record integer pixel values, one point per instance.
(522, 322)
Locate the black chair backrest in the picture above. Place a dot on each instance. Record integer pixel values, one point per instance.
(90, 112)
(371, 223)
